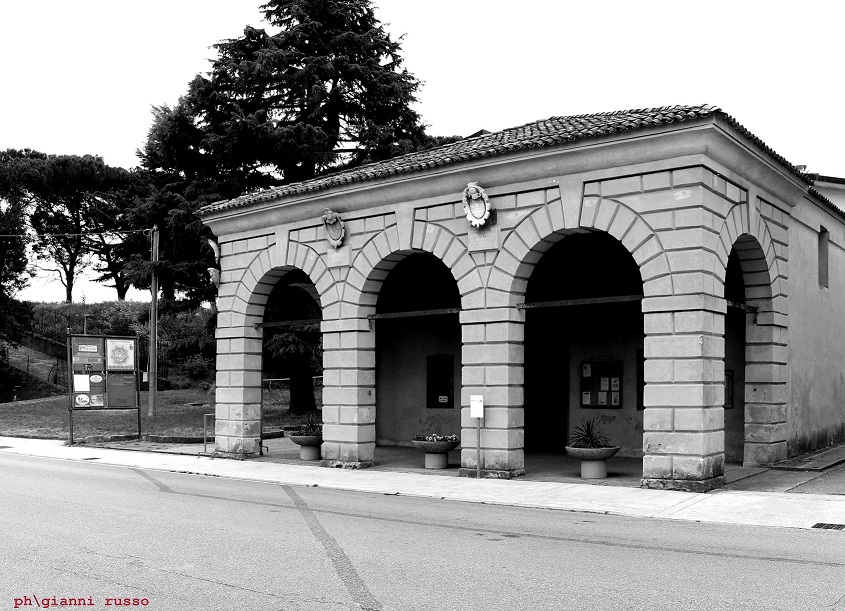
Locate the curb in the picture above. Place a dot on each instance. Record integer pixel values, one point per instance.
(161, 438)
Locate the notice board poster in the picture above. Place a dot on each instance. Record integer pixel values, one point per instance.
(120, 354)
(601, 384)
(87, 353)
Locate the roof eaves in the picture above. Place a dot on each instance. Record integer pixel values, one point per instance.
(826, 202)
(536, 134)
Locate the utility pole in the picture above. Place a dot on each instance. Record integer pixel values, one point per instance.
(153, 373)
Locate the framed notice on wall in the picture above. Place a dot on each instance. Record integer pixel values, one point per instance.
(601, 384)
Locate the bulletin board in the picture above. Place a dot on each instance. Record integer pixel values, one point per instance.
(601, 384)
(104, 374)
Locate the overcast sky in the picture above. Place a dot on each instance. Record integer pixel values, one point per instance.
(79, 77)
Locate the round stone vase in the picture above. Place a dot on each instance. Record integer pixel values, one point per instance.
(309, 446)
(593, 460)
(436, 452)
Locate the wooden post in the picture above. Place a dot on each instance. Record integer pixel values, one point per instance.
(153, 372)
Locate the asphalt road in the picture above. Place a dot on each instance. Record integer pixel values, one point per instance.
(187, 542)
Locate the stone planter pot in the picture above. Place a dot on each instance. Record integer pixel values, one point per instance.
(309, 446)
(436, 452)
(593, 460)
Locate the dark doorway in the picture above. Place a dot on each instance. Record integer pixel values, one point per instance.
(418, 355)
(292, 350)
(561, 339)
(735, 321)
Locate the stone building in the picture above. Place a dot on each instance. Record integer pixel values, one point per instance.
(661, 269)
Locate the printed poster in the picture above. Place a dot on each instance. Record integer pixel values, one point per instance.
(120, 354)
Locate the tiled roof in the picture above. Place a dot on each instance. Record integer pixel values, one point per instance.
(548, 132)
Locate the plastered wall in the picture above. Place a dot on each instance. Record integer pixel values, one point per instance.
(816, 415)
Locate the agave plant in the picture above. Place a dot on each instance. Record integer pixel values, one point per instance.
(435, 438)
(312, 427)
(588, 435)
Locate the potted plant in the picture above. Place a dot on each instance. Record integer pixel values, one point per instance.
(309, 438)
(592, 448)
(436, 448)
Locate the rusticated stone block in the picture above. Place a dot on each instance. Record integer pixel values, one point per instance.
(496, 417)
(691, 444)
(347, 455)
(699, 418)
(698, 467)
(495, 464)
(658, 419)
(765, 433)
(684, 485)
(364, 433)
(657, 466)
(498, 396)
(763, 454)
(357, 414)
(765, 412)
(501, 439)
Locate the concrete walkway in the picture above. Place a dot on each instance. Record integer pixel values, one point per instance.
(723, 506)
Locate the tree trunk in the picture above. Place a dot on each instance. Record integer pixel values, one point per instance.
(122, 288)
(301, 390)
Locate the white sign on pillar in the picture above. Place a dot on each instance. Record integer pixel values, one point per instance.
(476, 406)
(476, 410)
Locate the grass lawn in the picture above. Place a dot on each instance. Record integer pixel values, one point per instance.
(179, 413)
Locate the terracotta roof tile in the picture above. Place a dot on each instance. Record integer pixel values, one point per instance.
(548, 132)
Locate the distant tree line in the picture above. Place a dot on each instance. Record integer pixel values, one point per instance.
(322, 89)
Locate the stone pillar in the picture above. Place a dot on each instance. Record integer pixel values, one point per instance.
(237, 428)
(493, 366)
(683, 424)
(349, 393)
(765, 388)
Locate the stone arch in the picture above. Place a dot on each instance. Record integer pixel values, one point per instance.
(239, 340)
(743, 221)
(381, 253)
(545, 226)
(764, 404)
(265, 270)
(349, 374)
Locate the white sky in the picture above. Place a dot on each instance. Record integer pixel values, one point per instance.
(80, 77)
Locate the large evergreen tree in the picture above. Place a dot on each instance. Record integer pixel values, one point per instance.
(323, 90)
(327, 90)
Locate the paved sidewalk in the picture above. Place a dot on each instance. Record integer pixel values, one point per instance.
(724, 506)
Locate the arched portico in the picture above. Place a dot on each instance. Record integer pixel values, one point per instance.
(512, 267)
(757, 329)
(678, 201)
(247, 281)
(349, 393)
(584, 344)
